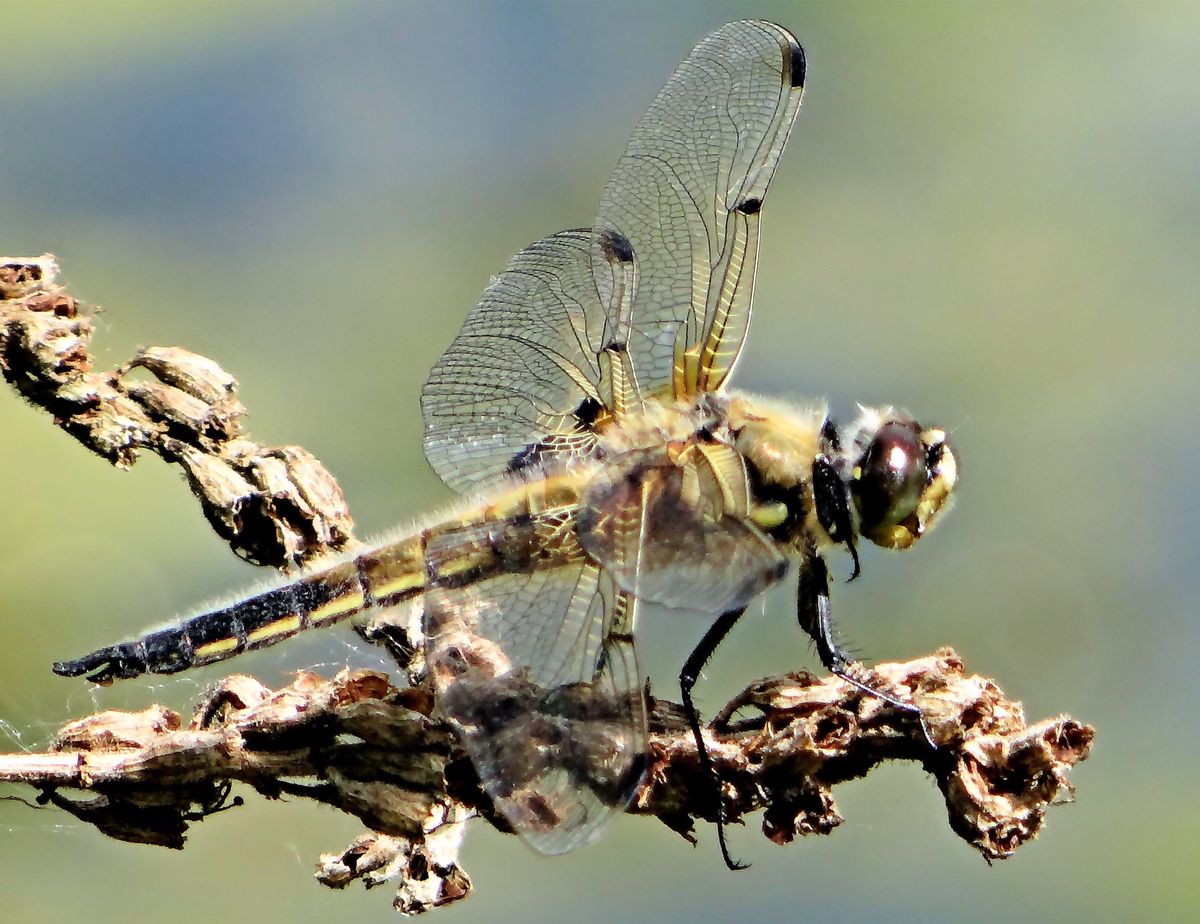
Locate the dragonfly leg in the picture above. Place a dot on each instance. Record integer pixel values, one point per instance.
(812, 609)
(687, 680)
(830, 497)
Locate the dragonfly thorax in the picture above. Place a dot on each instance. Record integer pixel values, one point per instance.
(781, 442)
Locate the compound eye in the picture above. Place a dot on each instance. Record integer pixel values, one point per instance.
(888, 482)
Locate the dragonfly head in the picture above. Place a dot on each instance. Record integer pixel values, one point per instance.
(902, 477)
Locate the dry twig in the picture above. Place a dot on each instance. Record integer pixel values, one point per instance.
(378, 752)
(360, 745)
(275, 506)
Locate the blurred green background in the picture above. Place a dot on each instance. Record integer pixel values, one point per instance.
(989, 214)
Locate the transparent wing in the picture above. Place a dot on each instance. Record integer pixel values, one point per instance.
(525, 381)
(675, 528)
(686, 197)
(581, 325)
(536, 670)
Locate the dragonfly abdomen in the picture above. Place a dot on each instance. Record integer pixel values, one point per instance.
(528, 527)
(382, 577)
(519, 529)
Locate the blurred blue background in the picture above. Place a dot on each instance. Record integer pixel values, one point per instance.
(988, 213)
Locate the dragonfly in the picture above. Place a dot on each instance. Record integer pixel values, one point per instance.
(583, 412)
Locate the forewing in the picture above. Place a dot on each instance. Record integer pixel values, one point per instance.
(686, 197)
(537, 672)
(673, 528)
(523, 383)
(655, 301)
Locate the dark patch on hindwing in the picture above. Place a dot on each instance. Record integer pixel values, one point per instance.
(579, 440)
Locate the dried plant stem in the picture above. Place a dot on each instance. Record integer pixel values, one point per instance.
(359, 744)
(275, 506)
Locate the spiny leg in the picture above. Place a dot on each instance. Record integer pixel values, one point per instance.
(812, 610)
(687, 680)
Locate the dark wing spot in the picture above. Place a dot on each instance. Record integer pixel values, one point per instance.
(797, 65)
(750, 207)
(616, 247)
